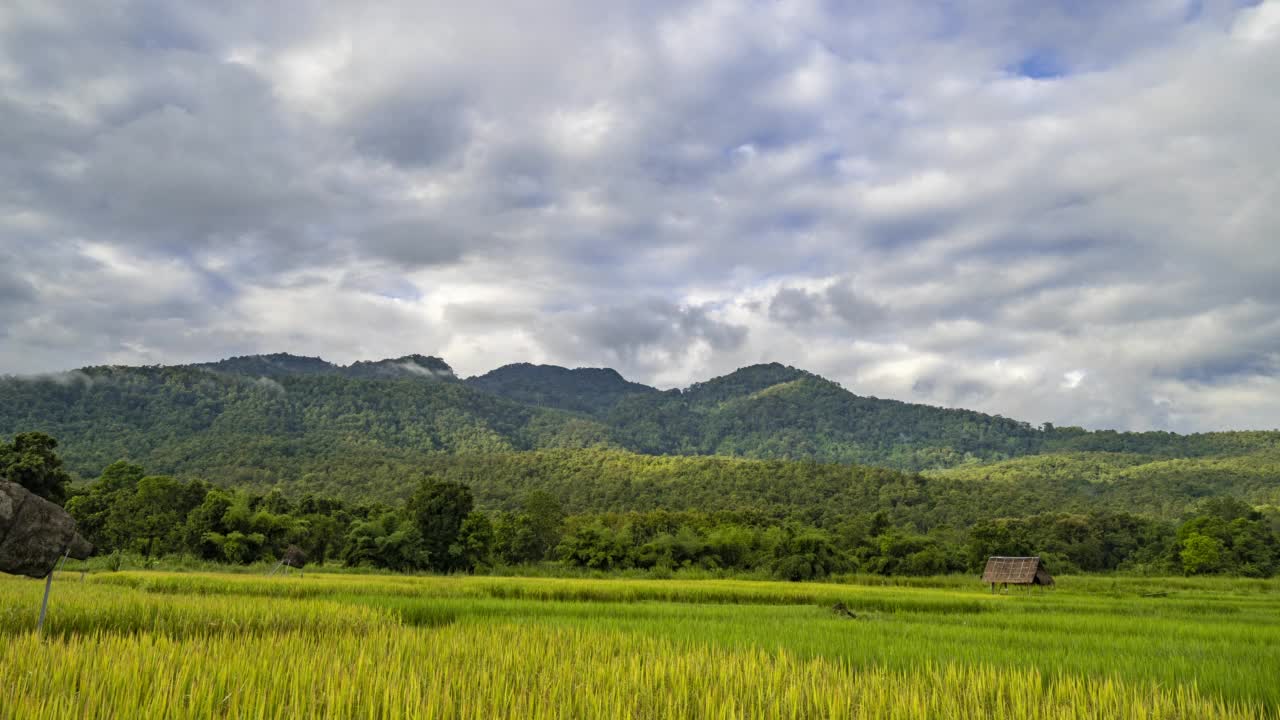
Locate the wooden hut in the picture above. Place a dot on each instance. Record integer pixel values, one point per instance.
(1016, 571)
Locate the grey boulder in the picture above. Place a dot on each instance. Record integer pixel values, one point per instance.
(35, 533)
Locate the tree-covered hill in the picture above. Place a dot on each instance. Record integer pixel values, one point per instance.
(193, 421)
(756, 470)
(267, 419)
(767, 411)
(593, 391)
(286, 365)
(773, 411)
(1140, 483)
(601, 480)
(808, 417)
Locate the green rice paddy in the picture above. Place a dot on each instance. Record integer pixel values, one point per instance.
(147, 644)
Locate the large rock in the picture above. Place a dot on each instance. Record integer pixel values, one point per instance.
(34, 533)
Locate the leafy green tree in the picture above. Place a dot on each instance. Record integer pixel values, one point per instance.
(545, 516)
(597, 546)
(204, 529)
(92, 507)
(238, 547)
(733, 546)
(437, 509)
(386, 541)
(514, 540)
(156, 512)
(476, 537)
(276, 503)
(807, 555)
(1201, 554)
(31, 461)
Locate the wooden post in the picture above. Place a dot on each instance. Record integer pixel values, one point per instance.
(44, 605)
(48, 585)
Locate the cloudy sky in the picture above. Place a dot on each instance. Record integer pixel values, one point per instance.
(1064, 212)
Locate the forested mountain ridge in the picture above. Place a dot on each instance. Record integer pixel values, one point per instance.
(768, 467)
(586, 390)
(266, 419)
(284, 364)
(232, 427)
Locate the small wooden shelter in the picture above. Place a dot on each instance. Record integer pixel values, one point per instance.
(1016, 571)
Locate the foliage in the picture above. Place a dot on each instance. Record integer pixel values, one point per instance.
(592, 391)
(265, 420)
(912, 530)
(306, 428)
(388, 541)
(438, 510)
(31, 462)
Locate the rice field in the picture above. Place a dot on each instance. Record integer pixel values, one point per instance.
(147, 644)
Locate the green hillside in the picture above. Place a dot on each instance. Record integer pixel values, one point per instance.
(368, 429)
(1151, 485)
(599, 480)
(586, 390)
(230, 427)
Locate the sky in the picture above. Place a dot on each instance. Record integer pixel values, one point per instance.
(1062, 212)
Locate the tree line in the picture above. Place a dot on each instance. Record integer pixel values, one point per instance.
(438, 528)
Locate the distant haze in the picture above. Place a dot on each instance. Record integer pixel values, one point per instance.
(1054, 211)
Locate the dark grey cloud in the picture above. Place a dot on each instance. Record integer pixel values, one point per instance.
(410, 242)
(957, 392)
(488, 317)
(14, 289)
(856, 310)
(1055, 211)
(418, 128)
(794, 306)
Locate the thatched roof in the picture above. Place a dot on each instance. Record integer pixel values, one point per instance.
(1016, 571)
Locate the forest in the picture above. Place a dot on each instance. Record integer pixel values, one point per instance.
(357, 431)
(768, 471)
(897, 525)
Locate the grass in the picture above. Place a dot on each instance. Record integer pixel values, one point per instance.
(143, 644)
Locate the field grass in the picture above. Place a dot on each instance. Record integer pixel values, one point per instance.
(145, 644)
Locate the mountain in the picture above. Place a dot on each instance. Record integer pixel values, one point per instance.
(276, 417)
(766, 411)
(592, 391)
(285, 365)
(307, 423)
(409, 366)
(274, 365)
(774, 411)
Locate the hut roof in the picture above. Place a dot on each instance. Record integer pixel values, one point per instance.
(1017, 570)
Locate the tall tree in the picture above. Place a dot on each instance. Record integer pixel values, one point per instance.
(92, 506)
(546, 516)
(438, 509)
(31, 462)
